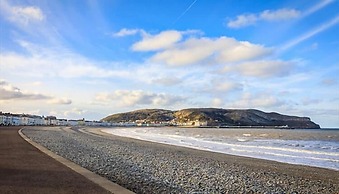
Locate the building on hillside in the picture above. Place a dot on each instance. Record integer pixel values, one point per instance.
(199, 123)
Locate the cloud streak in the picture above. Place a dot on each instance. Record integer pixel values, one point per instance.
(267, 15)
(311, 33)
(183, 13)
(317, 7)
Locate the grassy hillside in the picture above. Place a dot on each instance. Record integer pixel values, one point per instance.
(214, 117)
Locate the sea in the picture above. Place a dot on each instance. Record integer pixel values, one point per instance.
(316, 147)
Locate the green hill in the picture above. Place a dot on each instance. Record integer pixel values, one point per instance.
(213, 117)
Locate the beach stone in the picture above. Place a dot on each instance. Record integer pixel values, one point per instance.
(145, 167)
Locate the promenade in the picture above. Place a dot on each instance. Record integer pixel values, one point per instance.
(24, 169)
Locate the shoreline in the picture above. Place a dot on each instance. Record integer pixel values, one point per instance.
(297, 147)
(148, 167)
(98, 131)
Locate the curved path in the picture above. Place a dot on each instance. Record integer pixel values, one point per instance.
(25, 169)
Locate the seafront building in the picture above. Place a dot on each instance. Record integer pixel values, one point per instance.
(9, 119)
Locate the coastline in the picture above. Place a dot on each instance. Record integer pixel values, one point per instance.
(148, 167)
(247, 160)
(307, 172)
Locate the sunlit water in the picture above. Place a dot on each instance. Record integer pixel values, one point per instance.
(306, 147)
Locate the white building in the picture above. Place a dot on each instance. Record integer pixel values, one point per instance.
(61, 122)
(5, 118)
(16, 120)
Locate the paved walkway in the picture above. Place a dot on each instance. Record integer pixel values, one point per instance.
(24, 169)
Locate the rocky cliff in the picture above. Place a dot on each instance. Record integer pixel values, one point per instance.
(215, 117)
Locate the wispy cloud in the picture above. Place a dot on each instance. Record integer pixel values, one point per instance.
(262, 100)
(311, 33)
(263, 68)
(47, 62)
(225, 86)
(244, 20)
(127, 32)
(130, 98)
(21, 15)
(279, 15)
(267, 15)
(316, 7)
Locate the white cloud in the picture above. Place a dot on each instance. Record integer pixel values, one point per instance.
(243, 50)
(73, 113)
(217, 102)
(167, 81)
(127, 32)
(228, 86)
(22, 15)
(310, 101)
(123, 98)
(160, 41)
(329, 82)
(267, 15)
(61, 101)
(279, 15)
(263, 68)
(257, 101)
(44, 62)
(74, 70)
(210, 50)
(9, 92)
(243, 20)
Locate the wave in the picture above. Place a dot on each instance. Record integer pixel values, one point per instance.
(305, 152)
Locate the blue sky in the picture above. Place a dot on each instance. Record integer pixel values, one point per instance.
(88, 59)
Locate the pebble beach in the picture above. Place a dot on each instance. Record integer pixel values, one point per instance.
(148, 167)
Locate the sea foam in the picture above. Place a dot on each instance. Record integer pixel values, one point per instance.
(318, 153)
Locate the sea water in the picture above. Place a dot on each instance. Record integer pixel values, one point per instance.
(317, 148)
